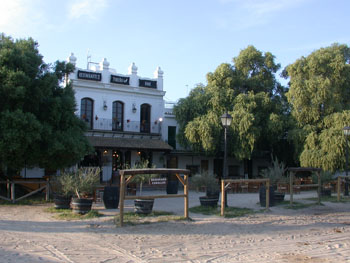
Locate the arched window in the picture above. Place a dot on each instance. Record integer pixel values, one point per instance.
(118, 116)
(86, 111)
(145, 118)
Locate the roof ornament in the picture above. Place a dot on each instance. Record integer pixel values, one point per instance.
(104, 64)
(158, 73)
(72, 59)
(132, 69)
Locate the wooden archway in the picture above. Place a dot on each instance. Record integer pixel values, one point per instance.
(294, 170)
(127, 175)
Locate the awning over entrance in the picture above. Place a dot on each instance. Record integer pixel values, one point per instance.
(129, 143)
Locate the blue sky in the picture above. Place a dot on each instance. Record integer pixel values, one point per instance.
(186, 38)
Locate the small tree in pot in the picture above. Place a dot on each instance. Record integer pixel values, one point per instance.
(210, 184)
(143, 206)
(61, 187)
(82, 182)
(276, 175)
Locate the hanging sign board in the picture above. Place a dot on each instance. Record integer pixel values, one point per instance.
(89, 75)
(120, 80)
(148, 83)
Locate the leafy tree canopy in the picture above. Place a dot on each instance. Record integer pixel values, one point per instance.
(257, 71)
(257, 123)
(320, 97)
(319, 84)
(188, 109)
(249, 91)
(38, 126)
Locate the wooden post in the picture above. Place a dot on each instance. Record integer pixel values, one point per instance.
(222, 197)
(186, 195)
(319, 187)
(338, 188)
(267, 194)
(291, 188)
(47, 190)
(8, 189)
(13, 195)
(121, 198)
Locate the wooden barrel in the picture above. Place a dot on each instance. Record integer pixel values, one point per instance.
(172, 187)
(62, 202)
(111, 197)
(278, 197)
(81, 205)
(143, 206)
(208, 201)
(262, 196)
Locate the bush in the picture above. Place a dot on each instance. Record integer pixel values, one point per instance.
(81, 182)
(62, 184)
(275, 173)
(206, 180)
(142, 178)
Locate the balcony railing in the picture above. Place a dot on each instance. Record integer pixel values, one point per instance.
(128, 126)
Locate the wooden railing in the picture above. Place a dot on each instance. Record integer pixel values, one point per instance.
(225, 183)
(340, 180)
(10, 185)
(293, 171)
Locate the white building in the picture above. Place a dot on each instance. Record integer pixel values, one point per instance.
(128, 121)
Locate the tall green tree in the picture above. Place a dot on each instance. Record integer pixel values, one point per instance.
(258, 124)
(38, 126)
(249, 91)
(320, 97)
(187, 109)
(256, 71)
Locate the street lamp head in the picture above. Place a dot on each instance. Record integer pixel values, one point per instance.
(226, 119)
(346, 130)
(105, 105)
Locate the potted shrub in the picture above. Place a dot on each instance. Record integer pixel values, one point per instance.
(61, 186)
(82, 183)
(211, 186)
(142, 206)
(276, 175)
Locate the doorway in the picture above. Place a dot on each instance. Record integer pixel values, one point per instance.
(145, 118)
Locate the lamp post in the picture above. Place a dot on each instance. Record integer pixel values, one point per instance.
(346, 131)
(226, 120)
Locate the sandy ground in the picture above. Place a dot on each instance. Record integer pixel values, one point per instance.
(317, 234)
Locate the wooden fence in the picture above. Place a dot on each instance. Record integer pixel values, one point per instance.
(294, 170)
(11, 193)
(225, 183)
(339, 182)
(127, 175)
